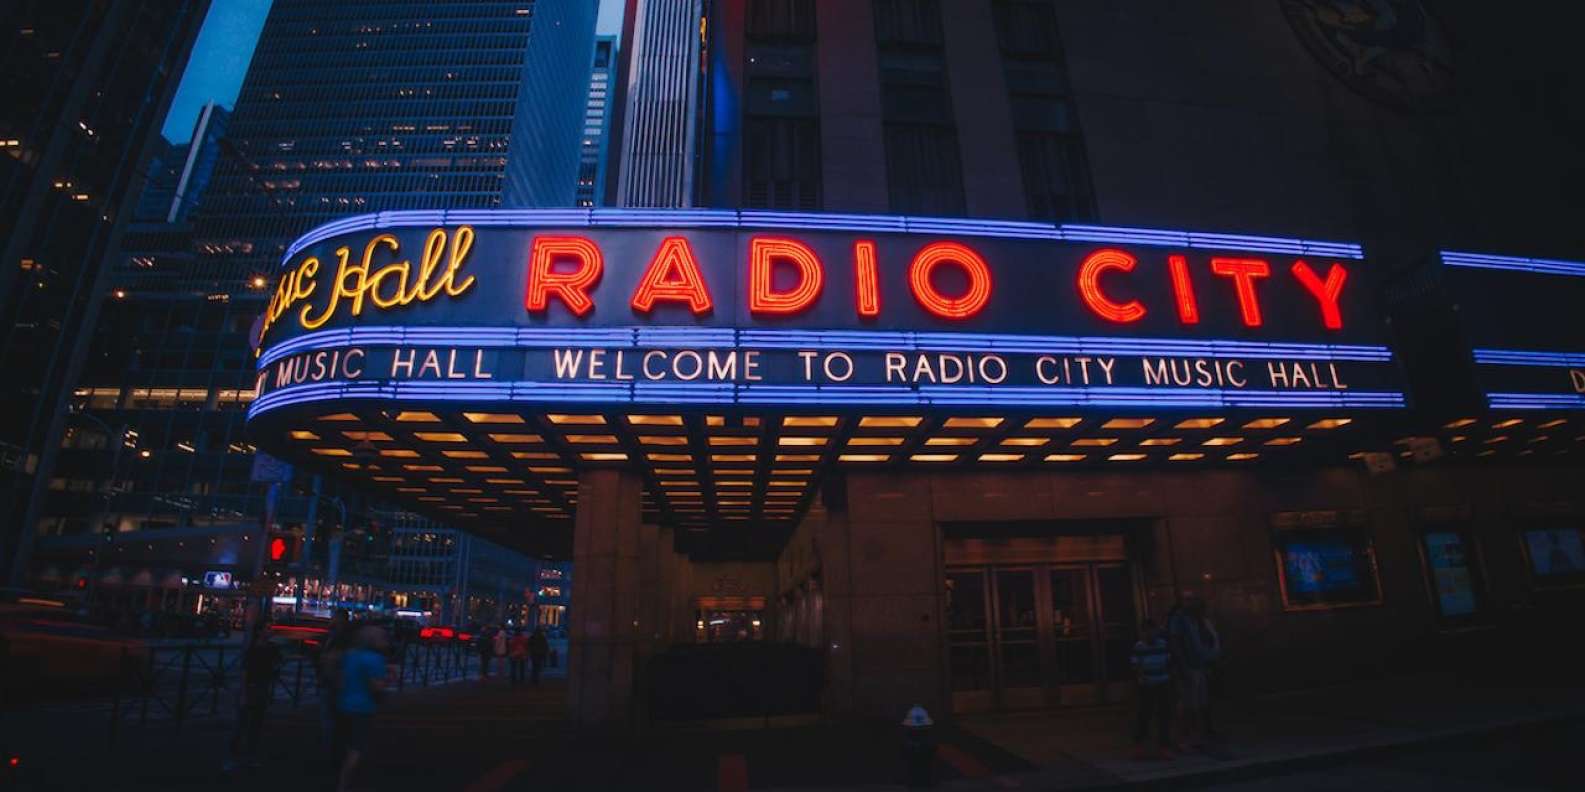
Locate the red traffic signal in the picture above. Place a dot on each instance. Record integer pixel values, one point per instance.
(283, 548)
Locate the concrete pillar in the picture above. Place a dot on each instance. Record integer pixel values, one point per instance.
(882, 576)
(665, 585)
(992, 184)
(602, 634)
(852, 144)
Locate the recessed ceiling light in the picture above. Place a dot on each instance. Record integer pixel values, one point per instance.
(1266, 423)
(1052, 423)
(1128, 423)
(493, 418)
(890, 421)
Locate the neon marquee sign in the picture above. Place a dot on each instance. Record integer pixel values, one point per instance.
(771, 308)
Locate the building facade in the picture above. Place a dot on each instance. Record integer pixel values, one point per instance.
(992, 328)
(596, 120)
(345, 108)
(87, 85)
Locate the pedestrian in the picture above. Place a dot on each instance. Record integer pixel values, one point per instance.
(498, 647)
(1152, 662)
(261, 662)
(363, 674)
(1193, 651)
(518, 651)
(486, 648)
(327, 670)
(538, 650)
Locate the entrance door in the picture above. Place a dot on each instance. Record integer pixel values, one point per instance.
(1040, 635)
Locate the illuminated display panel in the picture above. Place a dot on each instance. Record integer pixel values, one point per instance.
(1525, 357)
(1325, 560)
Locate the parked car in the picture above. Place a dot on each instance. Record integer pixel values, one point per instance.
(50, 650)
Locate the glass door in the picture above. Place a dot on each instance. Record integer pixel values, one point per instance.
(1071, 677)
(1117, 627)
(1017, 640)
(969, 640)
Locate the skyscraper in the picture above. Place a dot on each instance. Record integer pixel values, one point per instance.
(596, 124)
(86, 85)
(347, 108)
(661, 119)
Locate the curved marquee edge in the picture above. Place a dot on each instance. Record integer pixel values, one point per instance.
(1454, 258)
(546, 393)
(529, 337)
(814, 221)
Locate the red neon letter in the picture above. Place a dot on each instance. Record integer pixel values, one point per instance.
(571, 287)
(1325, 293)
(763, 253)
(1244, 272)
(973, 266)
(1090, 286)
(1183, 289)
(865, 282)
(673, 275)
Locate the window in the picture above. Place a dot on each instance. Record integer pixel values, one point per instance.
(924, 173)
(781, 20)
(781, 140)
(782, 163)
(1050, 148)
(1325, 560)
(1556, 554)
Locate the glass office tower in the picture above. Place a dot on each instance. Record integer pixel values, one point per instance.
(347, 108)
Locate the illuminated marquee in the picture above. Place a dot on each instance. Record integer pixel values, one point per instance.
(752, 308)
(1524, 359)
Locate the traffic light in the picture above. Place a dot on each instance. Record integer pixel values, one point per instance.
(284, 548)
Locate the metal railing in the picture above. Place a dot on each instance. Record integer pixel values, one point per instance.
(174, 684)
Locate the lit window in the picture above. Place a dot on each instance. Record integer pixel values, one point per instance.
(933, 457)
(1095, 441)
(1186, 457)
(1064, 457)
(416, 417)
(1223, 441)
(1126, 457)
(440, 437)
(1199, 423)
(1161, 441)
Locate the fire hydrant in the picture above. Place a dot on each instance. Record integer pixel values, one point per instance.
(919, 748)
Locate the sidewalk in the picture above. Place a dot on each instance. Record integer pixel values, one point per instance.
(1092, 749)
(486, 736)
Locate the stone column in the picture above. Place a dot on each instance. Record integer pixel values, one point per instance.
(602, 641)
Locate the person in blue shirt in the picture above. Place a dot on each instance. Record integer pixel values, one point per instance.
(1152, 662)
(363, 676)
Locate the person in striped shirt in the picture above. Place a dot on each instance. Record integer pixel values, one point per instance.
(1152, 662)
